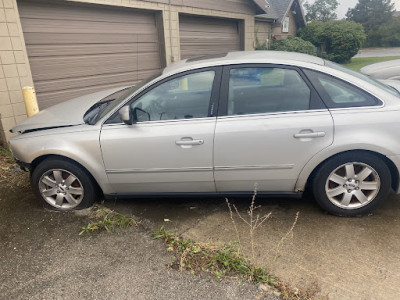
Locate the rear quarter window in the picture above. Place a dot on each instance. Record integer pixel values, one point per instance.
(337, 93)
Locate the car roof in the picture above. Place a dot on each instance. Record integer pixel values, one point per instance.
(240, 57)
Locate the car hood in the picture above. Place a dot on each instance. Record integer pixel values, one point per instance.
(68, 113)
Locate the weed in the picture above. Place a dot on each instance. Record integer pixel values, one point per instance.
(225, 261)
(254, 221)
(10, 174)
(221, 261)
(279, 246)
(106, 219)
(6, 152)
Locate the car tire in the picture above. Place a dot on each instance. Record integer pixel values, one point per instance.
(352, 184)
(63, 185)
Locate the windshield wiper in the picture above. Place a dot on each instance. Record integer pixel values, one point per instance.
(91, 115)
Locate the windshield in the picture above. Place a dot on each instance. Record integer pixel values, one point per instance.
(107, 104)
(362, 76)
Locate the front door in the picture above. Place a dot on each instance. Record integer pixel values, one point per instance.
(170, 147)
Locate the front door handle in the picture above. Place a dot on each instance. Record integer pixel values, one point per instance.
(309, 135)
(189, 142)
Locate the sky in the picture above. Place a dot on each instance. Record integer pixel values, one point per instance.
(344, 5)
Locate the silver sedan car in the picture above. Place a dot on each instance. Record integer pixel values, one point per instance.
(219, 125)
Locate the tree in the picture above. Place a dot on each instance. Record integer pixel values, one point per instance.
(387, 35)
(343, 40)
(371, 13)
(321, 10)
(336, 40)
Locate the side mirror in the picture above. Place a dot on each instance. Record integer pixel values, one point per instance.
(126, 115)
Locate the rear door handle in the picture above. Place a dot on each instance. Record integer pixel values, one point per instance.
(308, 135)
(189, 142)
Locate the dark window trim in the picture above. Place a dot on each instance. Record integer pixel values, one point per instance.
(315, 100)
(215, 93)
(310, 73)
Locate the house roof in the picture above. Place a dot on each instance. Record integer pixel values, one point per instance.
(279, 8)
(262, 5)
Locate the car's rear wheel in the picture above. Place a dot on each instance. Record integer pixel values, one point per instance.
(63, 185)
(352, 184)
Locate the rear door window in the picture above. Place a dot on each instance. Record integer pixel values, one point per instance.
(258, 90)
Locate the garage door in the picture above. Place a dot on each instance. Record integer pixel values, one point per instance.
(78, 49)
(203, 35)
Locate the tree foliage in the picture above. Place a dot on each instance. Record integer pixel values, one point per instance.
(387, 35)
(371, 13)
(337, 40)
(321, 10)
(294, 44)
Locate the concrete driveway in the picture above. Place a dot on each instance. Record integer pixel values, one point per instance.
(350, 258)
(378, 52)
(42, 256)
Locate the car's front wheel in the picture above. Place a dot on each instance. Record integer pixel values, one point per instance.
(352, 184)
(63, 185)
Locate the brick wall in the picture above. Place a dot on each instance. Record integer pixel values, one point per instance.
(14, 68)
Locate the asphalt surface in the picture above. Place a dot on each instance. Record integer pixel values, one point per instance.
(43, 257)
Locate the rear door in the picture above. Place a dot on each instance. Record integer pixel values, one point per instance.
(271, 122)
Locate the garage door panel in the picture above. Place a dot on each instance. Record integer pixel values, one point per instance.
(77, 49)
(80, 12)
(48, 69)
(59, 96)
(51, 72)
(90, 49)
(76, 83)
(203, 35)
(68, 26)
(211, 27)
(79, 38)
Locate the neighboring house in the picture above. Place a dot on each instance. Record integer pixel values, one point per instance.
(75, 47)
(282, 20)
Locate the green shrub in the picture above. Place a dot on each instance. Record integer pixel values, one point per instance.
(294, 44)
(337, 40)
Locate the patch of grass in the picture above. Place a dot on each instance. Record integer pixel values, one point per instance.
(220, 261)
(105, 219)
(357, 63)
(10, 174)
(225, 261)
(5, 153)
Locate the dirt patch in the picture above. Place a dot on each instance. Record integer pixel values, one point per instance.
(10, 173)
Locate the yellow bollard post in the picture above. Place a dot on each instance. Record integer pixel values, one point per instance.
(31, 104)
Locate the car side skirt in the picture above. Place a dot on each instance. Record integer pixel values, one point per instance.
(197, 195)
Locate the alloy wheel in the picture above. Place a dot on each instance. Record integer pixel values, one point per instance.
(352, 185)
(61, 189)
